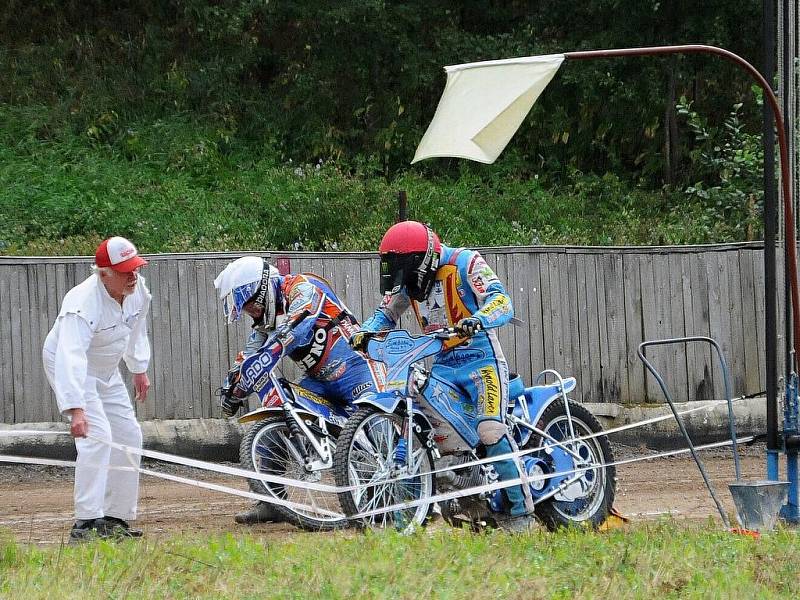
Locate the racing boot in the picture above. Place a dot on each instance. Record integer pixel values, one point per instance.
(260, 512)
(517, 524)
(519, 518)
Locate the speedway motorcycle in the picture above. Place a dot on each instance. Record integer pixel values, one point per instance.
(398, 455)
(292, 435)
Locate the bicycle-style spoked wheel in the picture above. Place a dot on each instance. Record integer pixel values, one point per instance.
(588, 499)
(268, 449)
(368, 461)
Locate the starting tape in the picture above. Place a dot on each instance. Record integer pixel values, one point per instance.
(131, 453)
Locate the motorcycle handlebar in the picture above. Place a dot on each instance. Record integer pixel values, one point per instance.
(445, 333)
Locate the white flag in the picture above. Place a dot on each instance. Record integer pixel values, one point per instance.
(483, 104)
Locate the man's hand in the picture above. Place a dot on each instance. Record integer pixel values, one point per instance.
(359, 341)
(141, 383)
(468, 326)
(79, 426)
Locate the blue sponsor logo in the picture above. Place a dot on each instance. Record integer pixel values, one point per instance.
(461, 357)
(399, 346)
(255, 366)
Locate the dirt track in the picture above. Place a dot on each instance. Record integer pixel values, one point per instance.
(36, 502)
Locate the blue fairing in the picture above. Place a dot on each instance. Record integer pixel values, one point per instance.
(256, 368)
(539, 396)
(399, 349)
(385, 401)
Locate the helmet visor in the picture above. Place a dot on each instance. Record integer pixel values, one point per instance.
(229, 309)
(233, 302)
(397, 271)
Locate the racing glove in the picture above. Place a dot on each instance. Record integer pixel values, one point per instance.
(468, 326)
(359, 341)
(229, 403)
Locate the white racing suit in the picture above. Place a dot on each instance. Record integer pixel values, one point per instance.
(81, 359)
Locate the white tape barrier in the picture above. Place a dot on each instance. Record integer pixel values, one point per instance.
(520, 453)
(129, 451)
(307, 508)
(267, 478)
(25, 460)
(189, 462)
(234, 471)
(499, 485)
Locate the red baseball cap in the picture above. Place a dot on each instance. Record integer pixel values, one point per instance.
(119, 254)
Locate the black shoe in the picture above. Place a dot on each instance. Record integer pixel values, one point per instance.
(118, 528)
(260, 512)
(87, 529)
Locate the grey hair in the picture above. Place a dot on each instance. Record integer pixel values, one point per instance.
(100, 270)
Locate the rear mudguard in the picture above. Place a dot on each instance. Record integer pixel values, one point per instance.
(391, 403)
(535, 399)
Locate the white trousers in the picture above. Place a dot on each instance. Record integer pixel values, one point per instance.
(100, 489)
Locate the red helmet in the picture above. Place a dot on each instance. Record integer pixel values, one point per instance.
(409, 258)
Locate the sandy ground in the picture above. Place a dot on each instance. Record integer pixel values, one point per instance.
(36, 502)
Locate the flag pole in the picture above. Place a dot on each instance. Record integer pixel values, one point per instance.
(788, 216)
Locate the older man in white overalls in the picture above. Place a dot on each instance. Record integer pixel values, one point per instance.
(102, 321)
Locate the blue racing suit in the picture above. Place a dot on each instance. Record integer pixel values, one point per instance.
(468, 386)
(316, 334)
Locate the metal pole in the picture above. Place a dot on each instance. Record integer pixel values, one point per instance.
(770, 235)
(791, 511)
(682, 427)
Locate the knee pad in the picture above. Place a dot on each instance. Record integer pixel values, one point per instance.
(491, 432)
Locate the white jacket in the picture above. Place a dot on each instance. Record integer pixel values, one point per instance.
(92, 333)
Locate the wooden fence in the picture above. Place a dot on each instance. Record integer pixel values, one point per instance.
(585, 312)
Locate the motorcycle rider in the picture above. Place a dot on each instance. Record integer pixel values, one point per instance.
(315, 331)
(455, 287)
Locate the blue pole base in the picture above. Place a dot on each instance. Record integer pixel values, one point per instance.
(790, 512)
(772, 465)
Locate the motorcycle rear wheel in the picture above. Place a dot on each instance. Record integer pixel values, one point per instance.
(264, 449)
(598, 485)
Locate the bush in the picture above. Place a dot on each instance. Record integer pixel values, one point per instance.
(728, 196)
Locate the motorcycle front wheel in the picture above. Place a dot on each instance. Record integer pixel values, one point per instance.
(380, 482)
(266, 448)
(591, 497)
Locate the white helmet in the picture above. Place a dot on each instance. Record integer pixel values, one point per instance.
(245, 279)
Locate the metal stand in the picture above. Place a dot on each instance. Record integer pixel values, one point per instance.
(731, 417)
(757, 502)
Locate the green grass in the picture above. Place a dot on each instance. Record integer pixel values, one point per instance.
(174, 186)
(664, 560)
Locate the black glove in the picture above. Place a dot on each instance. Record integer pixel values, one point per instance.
(230, 404)
(359, 341)
(468, 326)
